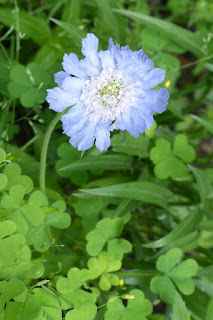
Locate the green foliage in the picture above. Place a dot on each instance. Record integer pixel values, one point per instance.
(183, 37)
(105, 230)
(29, 84)
(179, 274)
(137, 307)
(103, 266)
(138, 208)
(142, 191)
(167, 162)
(131, 146)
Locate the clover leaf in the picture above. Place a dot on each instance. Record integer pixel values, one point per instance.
(3, 181)
(69, 154)
(14, 176)
(14, 250)
(89, 210)
(32, 210)
(7, 228)
(175, 274)
(70, 287)
(117, 248)
(137, 307)
(168, 161)
(14, 199)
(11, 288)
(87, 308)
(131, 146)
(56, 217)
(102, 266)
(105, 230)
(29, 84)
(2, 155)
(40, 217)
(50, 302)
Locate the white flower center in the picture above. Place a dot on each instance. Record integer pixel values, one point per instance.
(106, 96)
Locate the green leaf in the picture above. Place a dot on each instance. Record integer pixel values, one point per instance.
(203, 181)
(105, 229)
(182, 149)
(7, 228)
(75, 279)
(109, 18)
(69, 154)
(180, 274)
(14, 199)
(29, 83)
(32, 309)
(3, 181)
(207, 124)
(70, 287)
(132, 146)
(88, 309)
(50, 302)
(159, 41)
(209, 311)
(102, 265)
(164, 287)
(117, 247)
(168, 261)
(166, 164)
(103, 162)
(187, 268)
(12, 288)
(72, 31)
(32, 210)
(13, 248)
(182, 37)
(137, 307)
(13, 173)
(142, 191)
(28, 24)
(180, 311)
(2, 155)
(187, 225)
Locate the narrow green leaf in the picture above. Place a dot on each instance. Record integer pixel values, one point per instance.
(71, 30)
(207, 124)
(186, 226)
(180, 311)
(142, 191)
(203, 182)
(103, 162)
(32, 26)
(183, 37)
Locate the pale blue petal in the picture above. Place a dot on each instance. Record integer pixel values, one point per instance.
(73, 85)
(123, 58)
(152, 78)
(71, 65)
(73, 116)
(90, 49)
(84, 139)
(59, 99)
(158, 99)
(131, 121)
(59, 77)
(107, 59)
(142, 61)
(90, 69)
(102, 135)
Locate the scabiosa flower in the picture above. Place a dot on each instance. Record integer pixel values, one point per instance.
(110, 90)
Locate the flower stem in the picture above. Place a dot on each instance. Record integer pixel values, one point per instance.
(44, 148)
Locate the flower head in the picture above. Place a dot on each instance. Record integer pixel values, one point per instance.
(109, 90)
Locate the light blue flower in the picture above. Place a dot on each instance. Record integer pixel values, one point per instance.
(109, 90)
